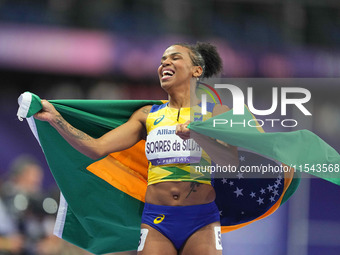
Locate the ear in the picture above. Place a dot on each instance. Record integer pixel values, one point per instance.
(197, 71)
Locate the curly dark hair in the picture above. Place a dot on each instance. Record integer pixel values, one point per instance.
(206, 56)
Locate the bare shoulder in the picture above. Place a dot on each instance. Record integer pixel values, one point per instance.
(146, 109)
(142, 113)
(218, 109)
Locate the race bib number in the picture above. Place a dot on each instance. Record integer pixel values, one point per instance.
(218, 238)
(142, 238)
(164, 147)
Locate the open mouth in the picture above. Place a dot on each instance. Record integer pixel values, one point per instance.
(167, 73)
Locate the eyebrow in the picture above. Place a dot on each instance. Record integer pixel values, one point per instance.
(172, 54)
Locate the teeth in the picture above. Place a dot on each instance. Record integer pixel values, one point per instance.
(167, 72)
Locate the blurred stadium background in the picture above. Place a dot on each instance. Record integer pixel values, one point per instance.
(101, 49)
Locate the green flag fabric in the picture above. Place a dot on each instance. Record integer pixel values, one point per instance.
(92, 214)
(102, 201)
(302, 150)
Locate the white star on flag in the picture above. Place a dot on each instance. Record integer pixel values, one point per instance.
(224, 180)
(275, 193)
(270, 188)
(253, 194)
(262, 191)
(260, 201)
(231, 183)
(242, 158)
(238, 192)
(240, 175)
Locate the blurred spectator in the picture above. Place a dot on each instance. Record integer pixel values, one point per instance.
(22, 195)
(27, 213)
(10, 241)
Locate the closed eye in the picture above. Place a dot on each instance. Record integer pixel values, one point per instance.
(173, 56)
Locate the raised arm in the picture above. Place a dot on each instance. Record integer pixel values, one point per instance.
(120, 138)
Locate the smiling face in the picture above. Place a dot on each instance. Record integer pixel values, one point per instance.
(176, 67)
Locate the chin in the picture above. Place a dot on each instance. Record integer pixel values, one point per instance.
(165, 85)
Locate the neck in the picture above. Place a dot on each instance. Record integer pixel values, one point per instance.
(185, 97)
(182, 101)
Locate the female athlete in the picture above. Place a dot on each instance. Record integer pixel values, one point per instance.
(180, 216)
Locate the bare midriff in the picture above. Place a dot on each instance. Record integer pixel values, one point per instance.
(173, 193)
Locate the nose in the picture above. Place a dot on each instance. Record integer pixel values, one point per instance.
(166, 62)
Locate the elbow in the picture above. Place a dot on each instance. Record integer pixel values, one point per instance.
(96, 150)
(95, 155)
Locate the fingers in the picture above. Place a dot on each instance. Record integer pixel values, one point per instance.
(47, 112)
(182, 130)
(45, 103)
(183, 127)
(47, 107)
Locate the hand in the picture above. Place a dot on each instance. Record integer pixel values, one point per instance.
(183, 131)
(47, 113)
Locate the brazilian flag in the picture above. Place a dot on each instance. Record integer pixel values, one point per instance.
(102, 200)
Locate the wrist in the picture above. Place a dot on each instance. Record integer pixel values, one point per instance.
(57, 120)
